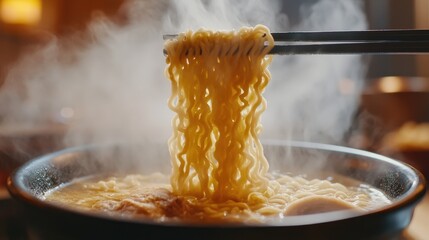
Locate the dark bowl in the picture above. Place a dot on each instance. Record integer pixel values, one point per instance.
(20, 143)
(418, 158)
(401, 183)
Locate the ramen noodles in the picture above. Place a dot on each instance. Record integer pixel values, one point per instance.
(151, 196)
(219, 170)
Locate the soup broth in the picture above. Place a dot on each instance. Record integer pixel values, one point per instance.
(150, 196)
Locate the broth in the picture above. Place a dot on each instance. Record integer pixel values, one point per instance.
(150, 196)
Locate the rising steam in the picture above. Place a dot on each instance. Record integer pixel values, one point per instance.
(109, 84)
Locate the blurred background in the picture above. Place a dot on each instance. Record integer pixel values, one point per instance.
(392, 119)
(25, 24)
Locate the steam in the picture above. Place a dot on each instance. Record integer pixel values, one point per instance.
(108, 84)
(313, 98)
(225, 15)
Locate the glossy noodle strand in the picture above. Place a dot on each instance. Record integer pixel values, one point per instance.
(217, 82)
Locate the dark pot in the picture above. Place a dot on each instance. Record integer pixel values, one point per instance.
(400, 182)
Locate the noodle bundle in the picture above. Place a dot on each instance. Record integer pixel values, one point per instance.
(217, 82)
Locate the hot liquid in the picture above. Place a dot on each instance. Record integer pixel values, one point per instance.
(150, 196)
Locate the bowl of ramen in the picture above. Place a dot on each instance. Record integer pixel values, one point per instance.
(222, 181)
(79, 193)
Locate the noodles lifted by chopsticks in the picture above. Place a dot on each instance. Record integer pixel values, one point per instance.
(219, 169)
(217, 82)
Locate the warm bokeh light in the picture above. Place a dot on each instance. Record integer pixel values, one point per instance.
(391, 84)
(26, 12)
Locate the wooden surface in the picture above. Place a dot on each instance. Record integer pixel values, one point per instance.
(419, 228)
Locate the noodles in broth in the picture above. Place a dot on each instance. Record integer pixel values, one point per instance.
(217, 80)
(218, 166)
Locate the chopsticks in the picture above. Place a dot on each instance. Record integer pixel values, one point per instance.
(407, 41)
(354, 36)
(386, 47)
